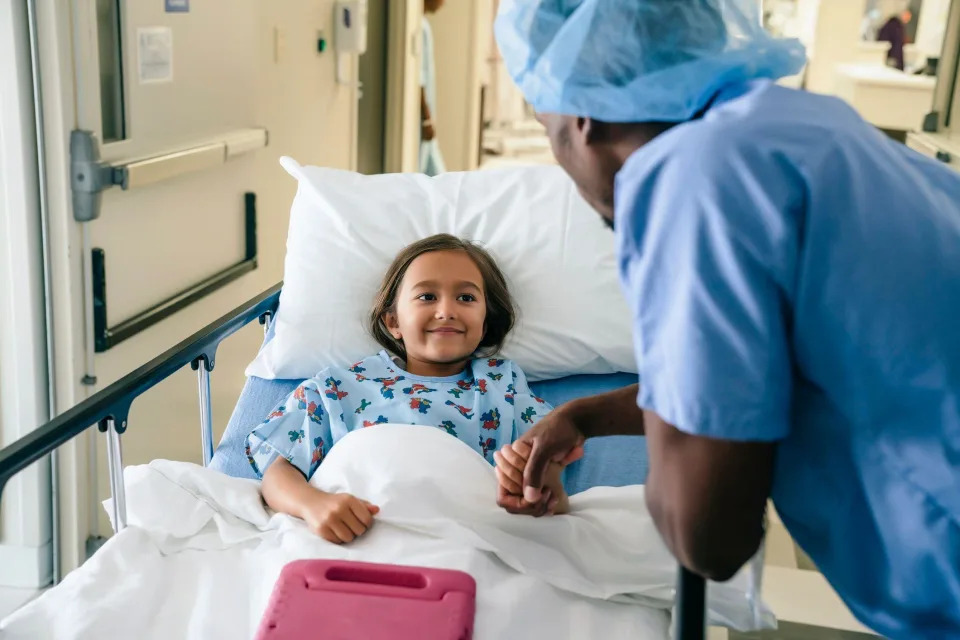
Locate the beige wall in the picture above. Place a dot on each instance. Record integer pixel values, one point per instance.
(931, 27)
(461, 32)
(165, 236)
(505, 104)
(836, 40)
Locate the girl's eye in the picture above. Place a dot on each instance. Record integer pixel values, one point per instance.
(426, 297)
(467, 297)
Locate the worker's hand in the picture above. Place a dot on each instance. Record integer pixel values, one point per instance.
(511, 461)
(556, 438)
(338, 517)
(553, 484)
(427, 132)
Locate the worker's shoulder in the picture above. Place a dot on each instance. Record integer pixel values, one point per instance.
(775, 129)
(773, 119)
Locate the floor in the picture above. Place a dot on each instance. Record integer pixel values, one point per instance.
(791, 631)
(12, 599)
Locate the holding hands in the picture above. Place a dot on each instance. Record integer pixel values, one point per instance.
(529, 470)
(511, 462)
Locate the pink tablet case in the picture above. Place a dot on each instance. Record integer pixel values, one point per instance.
(336, 599)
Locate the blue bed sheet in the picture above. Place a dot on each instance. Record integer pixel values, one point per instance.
(610, 461)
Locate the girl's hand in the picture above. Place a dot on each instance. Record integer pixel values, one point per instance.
(511, 461)
(338, 517)
(557, 438)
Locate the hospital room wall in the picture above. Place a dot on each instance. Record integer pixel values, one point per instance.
(931, 25)
(461, 33)
(834, 38)
(830, 29)
(309, 116)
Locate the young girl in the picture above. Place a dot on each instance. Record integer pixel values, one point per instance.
(444, 310)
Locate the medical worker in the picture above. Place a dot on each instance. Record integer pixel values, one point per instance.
(431, 160)
(794, 281)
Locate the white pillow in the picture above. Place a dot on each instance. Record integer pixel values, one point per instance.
(346, 228)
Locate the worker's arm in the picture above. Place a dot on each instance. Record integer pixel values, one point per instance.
(711, 260)
(707, 496)
(559, 437)
(614, 413)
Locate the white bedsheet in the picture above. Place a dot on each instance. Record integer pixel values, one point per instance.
(201, 554)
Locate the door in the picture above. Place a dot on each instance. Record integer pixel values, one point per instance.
(373, 92)
(172, 83)
(194, 102)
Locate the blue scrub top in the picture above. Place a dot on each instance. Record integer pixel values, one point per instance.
(794, 276)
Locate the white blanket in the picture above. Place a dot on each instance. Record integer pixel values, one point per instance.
(202, 553)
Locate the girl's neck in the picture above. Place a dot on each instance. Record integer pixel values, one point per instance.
(434, 369)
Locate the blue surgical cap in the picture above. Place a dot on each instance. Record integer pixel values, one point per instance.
(637, 60)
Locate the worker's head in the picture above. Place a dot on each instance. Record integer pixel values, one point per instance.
(432, 6)
(592, 151)
(584, 63)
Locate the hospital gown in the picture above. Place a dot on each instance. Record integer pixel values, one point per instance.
(795, 278)
(488, 405)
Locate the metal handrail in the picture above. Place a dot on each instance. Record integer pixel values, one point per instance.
(113, 403)
(106, 337)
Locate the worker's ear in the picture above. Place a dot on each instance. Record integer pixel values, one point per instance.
(591, 131)
(577, 132)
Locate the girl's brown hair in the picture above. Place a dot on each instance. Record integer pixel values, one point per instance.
(500, 309)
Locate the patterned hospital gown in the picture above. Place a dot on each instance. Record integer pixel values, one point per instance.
(487, 405)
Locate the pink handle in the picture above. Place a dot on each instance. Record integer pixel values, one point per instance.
(370, 601)
(377, 579)
(387, 577)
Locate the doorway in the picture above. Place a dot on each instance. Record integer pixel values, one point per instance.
(373, 92)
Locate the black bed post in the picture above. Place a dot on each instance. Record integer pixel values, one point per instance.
(691, 619)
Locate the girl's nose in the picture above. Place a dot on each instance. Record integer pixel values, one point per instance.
(445, 311)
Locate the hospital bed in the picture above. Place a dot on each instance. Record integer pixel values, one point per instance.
(613, 461)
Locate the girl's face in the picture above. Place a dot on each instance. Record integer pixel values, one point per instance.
(440, 312)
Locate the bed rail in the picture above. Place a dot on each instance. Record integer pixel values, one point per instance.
(109, 408)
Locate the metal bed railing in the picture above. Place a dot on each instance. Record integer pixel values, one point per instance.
(109, 410)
